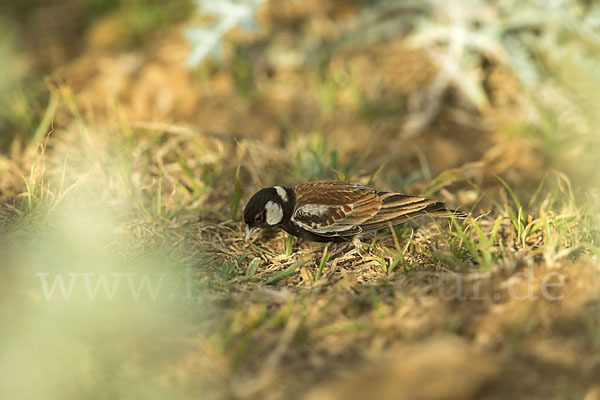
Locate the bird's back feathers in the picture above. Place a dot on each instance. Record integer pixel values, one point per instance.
(342, 209)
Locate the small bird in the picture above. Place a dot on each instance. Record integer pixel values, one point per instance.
(335, 211)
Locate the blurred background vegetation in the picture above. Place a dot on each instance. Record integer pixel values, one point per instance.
(41, 36)
(536, 57)
(132, 132)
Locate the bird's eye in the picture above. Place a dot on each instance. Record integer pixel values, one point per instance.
(259, 217)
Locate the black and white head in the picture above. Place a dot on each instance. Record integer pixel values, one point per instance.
(267, 207)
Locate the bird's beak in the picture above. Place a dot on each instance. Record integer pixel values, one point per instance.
(251, 232)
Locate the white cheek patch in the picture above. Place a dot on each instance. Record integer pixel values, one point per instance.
(282, 193)
(274, 213)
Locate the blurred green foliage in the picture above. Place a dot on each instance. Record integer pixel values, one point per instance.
(91, 309)
(139, 16)
(28, 28)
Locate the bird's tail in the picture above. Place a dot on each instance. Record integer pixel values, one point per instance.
(397, 208)
(440, 210)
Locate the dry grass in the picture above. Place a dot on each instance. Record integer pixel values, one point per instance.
(434, 309)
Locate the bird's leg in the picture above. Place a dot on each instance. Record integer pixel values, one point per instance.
(355, 246)
(349, 248)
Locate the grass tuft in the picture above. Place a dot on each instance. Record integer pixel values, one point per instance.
(322, 263)
(236, 197)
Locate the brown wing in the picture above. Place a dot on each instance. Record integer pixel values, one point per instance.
(334, 208)
(397, 208)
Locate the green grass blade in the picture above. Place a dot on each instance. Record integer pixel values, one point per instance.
(537, 192)
(267, 252)
(495, 228)
(287, 244)
(324, 259)
(252, 267)
(234, 204)
(159, 197)
(241, 259)
(374, 174)
(285, 273)
(510, 191)
(47, 118)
